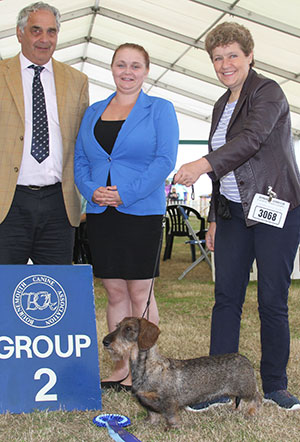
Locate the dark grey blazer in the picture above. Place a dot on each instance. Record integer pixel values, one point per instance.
(259, 147)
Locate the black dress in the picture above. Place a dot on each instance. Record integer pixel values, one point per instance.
(122, 246)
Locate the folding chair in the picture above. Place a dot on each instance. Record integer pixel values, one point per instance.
(175, 226)
(196, 241)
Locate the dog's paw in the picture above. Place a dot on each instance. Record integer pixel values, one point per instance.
(152, 418)
(169, 427)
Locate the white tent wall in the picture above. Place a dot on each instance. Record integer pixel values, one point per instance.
(193, 129)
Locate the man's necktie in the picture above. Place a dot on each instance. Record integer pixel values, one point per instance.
(40, 134)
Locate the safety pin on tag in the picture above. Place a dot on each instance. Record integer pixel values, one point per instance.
(271, 194)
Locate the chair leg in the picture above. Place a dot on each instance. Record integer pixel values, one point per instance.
(171, 246)
(168, 248)
(203, 256)
(193, 252)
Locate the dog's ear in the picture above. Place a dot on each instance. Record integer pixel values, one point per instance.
(148, 334)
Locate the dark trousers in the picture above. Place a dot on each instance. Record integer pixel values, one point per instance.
(37, 227)
(236, 246)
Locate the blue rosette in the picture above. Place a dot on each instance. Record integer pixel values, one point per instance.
(102, 419)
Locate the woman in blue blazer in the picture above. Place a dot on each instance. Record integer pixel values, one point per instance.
(126, 148)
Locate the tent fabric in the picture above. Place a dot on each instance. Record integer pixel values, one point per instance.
(173, 32)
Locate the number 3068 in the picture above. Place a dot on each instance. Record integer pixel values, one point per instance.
(266, 214)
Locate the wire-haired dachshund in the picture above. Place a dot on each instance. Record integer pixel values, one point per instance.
(164, 385)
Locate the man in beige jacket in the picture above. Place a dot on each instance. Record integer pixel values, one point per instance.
(39, 203)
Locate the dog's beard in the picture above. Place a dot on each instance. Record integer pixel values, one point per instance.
(116, 355)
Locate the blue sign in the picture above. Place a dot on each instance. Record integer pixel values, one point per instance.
(48, 339)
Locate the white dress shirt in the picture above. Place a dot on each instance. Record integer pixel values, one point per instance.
(50, 170)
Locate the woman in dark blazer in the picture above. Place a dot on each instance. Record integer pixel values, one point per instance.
(126, 148)
(250, 154)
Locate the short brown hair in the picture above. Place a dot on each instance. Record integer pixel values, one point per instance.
(227, 33)
(136, 47)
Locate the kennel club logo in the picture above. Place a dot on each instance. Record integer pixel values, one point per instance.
(39, 301)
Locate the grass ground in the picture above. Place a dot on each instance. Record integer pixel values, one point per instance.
(185, 308)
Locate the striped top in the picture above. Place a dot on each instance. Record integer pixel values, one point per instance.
(228, 185)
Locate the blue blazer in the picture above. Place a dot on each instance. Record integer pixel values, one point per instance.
(143, 156)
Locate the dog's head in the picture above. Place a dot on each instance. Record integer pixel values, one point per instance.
(129, 333)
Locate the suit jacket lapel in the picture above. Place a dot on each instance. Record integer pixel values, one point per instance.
(60, 85)
(140, 111)
(236, 110)
(217, 112)
(241, 100)
(14, 83)
(221, 105)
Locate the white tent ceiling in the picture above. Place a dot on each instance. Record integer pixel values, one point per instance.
(173, 32)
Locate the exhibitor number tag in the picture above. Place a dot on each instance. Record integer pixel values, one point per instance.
(268, 210)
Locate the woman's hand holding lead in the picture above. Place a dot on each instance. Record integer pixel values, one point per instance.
(189, 173)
